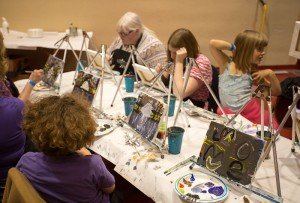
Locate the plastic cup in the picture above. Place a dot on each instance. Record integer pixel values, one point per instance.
(129, 83)
(172, 104)
(175, 135)
(128, 104)
(82, 66)
(161, 130)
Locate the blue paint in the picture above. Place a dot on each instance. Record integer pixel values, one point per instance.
(216, 190)
(198, 189)
(209, 184)
(192, 178)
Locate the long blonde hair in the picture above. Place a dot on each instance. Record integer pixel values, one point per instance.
(3, 58)
(132, 21)
(246, 42)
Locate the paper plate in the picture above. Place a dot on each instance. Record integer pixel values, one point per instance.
(201, 187)
(105, 126)
(41, 86)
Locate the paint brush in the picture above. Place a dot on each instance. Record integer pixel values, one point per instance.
(179, 165)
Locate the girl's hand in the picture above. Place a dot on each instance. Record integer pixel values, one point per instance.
(261, 75)
(36, 75)
(181, 54)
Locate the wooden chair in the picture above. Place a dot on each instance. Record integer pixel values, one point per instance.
(19, 189)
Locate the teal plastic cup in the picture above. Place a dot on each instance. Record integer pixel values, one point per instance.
(82, 66)
(175, 135)
(129, 83)
(172, 104)
(128, 104)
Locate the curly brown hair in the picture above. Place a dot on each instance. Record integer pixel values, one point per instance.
(60, 125)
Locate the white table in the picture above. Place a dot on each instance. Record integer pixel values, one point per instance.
(149, 176)
(20, 40)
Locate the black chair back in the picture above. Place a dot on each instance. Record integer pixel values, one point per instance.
(212, 105)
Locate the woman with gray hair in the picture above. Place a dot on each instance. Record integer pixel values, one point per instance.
(132, 32)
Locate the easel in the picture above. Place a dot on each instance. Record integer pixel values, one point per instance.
(260, 89)
(295, 128)
(61, 41)
(259, 92)
(192, 62)
(158, 76)
(131, 58)
(88, 68)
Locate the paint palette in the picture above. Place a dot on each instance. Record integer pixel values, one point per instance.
(41, 86)
(201, 187)
(105, 126)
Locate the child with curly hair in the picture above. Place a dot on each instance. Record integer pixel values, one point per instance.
(64, 170)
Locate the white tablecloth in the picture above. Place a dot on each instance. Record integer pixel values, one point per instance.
(149, 176)
(20, 40)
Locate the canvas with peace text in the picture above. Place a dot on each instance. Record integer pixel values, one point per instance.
(52, 69)
(146, 116)
(86, 85)
(231, 153)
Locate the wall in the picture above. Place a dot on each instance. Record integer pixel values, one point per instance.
(207, 19)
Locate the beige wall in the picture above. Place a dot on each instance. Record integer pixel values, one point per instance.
(207, 19)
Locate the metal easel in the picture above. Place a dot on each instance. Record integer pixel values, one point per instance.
(60, 42)
(259, 93)
(133, 52)
(295, 129)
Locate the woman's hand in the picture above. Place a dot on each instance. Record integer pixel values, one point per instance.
(181, 54)
(36, 75)
(158, 67)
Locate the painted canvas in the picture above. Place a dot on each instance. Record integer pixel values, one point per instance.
(231, 153)
(146, 116)
(86, 84)
(52, 69)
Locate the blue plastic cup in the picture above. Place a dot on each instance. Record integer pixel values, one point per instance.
(82, 66)
(128, 104)
(172, 104)
(175, 135)
(129, 83)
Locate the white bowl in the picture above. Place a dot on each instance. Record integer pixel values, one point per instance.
(35, 32)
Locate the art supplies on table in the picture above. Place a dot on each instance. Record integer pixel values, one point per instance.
(202, 114)
(105, 126)
(201, 187)
(180, 165)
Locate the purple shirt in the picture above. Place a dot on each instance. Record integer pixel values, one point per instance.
(71, 178)
(12, 139)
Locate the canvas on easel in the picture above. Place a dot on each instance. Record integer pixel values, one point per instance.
(86, 85)
(231, 153)
(52, 69)
(147, 76)
(146, 116)
(96, 61)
